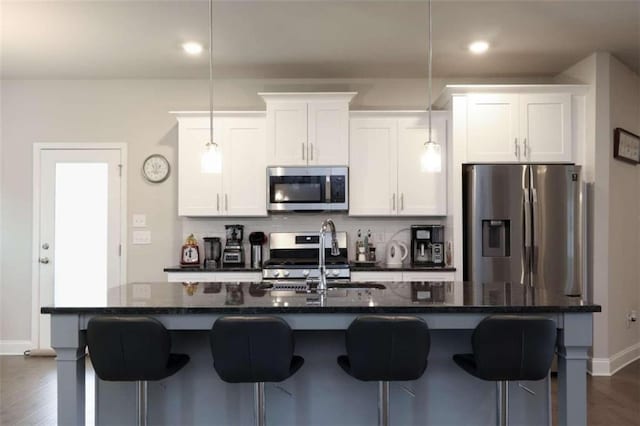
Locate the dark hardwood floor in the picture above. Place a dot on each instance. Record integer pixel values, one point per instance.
(28, 394)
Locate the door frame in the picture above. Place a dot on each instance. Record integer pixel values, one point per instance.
(38, 147)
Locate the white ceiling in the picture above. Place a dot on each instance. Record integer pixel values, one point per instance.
(310, 39)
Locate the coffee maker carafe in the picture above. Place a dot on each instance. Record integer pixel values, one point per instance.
(427, 245)
(233, 254)
(212, 252)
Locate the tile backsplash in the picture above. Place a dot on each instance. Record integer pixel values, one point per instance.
(382, 229)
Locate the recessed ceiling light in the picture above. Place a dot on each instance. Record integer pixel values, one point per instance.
(479, 47)
(192, 48)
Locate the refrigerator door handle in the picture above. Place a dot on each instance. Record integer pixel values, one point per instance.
(526, 253)
(535, 226)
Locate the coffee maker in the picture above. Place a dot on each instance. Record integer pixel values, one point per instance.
(233, 254)
(427, 245)
(212, 252)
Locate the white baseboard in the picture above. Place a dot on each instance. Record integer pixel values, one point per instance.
(14, 347)
(610, 366)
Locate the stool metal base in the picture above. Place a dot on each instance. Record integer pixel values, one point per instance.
(143, 412)
(259, 404)
(502, 397)
(383, 403)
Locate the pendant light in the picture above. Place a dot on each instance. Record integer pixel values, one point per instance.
(431, 159)
(211, 161)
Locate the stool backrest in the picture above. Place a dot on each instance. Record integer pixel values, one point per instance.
(507, 347)
(252, 349)
(388, 348)
(128, 348)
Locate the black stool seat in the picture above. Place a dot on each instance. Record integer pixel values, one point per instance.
(131, 349)
(509, 347)
(386, 348)
(253, 349)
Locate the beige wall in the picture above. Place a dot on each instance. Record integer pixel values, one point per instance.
(624, 216)
(134, 112)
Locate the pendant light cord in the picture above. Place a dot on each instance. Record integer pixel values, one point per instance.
(430, 61)
(211, 73)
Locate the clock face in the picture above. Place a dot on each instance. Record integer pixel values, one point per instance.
(190, 255)
(156, 168)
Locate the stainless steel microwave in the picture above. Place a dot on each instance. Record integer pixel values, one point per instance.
(308, 188)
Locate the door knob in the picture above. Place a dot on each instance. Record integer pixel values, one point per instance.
(44, 260)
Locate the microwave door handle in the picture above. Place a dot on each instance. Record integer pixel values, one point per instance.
(327, 190)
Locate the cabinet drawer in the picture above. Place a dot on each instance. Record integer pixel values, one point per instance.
(376, 276)
(428, 276)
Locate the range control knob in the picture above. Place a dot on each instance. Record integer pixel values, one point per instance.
(335, 272)
(285, 273)
(305, 273)
(276, 273)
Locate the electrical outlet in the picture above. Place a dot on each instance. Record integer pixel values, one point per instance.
(141, 237)
(139, 220)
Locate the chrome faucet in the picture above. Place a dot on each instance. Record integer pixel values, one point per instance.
(335, 251)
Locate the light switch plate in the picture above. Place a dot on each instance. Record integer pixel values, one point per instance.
(141, 237)
(139, 220)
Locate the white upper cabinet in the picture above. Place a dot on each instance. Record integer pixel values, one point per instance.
(421, 193)
(519, 127)
(373, 166)
(545, 127)
(307, 128)
(385, 176)
(240, 189)
(493, 127)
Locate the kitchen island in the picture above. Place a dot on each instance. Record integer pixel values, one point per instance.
(321, 393)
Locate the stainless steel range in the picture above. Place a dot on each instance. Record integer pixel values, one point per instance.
(296, 256)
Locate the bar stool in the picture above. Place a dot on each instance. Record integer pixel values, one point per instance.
(132, 349)
(384, 349)
(509, 347)
(254, 350)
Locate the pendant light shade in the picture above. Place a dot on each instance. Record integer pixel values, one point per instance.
(431, 158)
(211, 161)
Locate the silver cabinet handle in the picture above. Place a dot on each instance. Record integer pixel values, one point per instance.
(394, 202)
(311, 150)
(525, 149)
(226, 202)
(44, 260)
(303, 144)
(402, 201)
(218, 202)
(516, 148)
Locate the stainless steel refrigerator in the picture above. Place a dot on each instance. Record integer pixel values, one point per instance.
(524, 223)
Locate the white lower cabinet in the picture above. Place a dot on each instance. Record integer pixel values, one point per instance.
(401, 276)
(240, 190)
(179, 277)
(385, 176)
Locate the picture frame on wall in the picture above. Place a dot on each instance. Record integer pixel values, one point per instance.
(626, 146)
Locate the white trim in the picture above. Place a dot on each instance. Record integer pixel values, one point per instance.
(14, 347)
(35, 226)
(307, 96)
(461, 89)
(619, 360)
(220, 113)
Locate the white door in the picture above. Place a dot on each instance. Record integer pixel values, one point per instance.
(244, 167)
(373, 179)
(493, 128)
(328, 133)
(545, 127)
(79, 249)
(420, 193)
(287, 134)
(199, 194)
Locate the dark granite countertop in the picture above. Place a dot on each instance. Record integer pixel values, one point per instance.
(202, 269)
(382, 267)
(388, 298)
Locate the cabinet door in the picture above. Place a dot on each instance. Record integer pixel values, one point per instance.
(328, 133)
(198, 193)
(373, 167)
(287, 134)
(376, 277)
(545, 127)
(420, 193)
(244, 167)
(493, 128)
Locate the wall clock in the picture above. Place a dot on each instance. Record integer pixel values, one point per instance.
(626, 146)
(156, 168)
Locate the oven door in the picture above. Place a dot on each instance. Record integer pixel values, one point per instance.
(307, 188)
